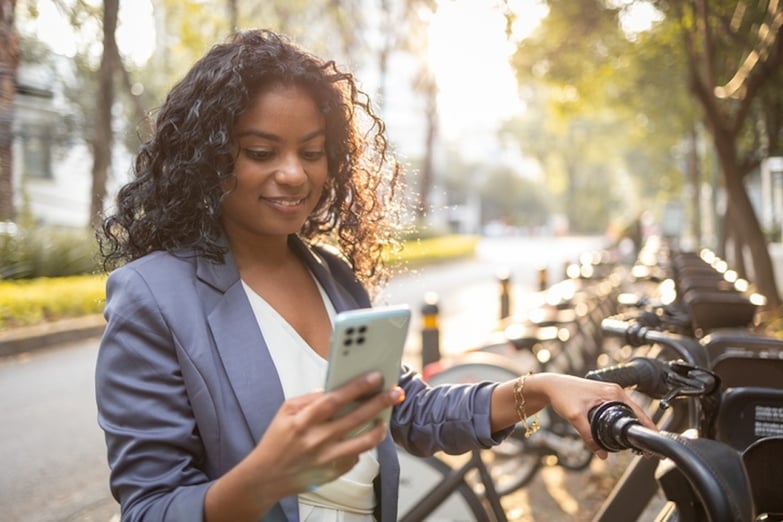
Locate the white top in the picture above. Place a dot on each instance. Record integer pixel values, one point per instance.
(349, 498)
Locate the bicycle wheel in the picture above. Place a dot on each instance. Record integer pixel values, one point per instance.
(512, 463)
(419, 476)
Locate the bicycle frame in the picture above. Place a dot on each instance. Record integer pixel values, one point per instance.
(453, 480)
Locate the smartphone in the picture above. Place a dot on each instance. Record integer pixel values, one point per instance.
(365, 340)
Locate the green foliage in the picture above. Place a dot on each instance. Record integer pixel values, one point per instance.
(513, 200)
(33, 301)
(607, 111)
(47, 252)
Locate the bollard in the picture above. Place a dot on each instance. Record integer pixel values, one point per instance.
(430, 333)
(542, 279)
(505, 294)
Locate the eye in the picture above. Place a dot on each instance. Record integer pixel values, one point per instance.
(313, 155)
(259, 154)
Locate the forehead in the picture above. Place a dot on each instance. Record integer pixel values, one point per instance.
(280, 107)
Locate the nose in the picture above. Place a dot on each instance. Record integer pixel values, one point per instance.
(290, 171)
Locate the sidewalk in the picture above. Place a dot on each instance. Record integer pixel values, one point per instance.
(28, 338)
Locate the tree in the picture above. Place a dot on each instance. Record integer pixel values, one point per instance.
(727, 54)
(591, 122)
(103, 135)
(9, 60)
(735, 51)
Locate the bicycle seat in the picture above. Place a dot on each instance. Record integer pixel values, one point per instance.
(711, 309)
(743, 358)
(764, 463)
(720, 461)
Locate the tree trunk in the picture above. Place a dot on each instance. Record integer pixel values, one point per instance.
(725, 120)
(745, 223)
(737, 260)
(233, 15)
(427, 168)
(694, 180)
(103, 137)
(9, 60)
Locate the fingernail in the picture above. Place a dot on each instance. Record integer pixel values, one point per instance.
(374, 377)
(397, 394)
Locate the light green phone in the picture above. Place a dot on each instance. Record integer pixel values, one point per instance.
(365, 340)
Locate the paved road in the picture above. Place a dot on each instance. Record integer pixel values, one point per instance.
(52, 453)
(469, 293)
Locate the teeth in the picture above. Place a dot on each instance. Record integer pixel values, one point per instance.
(286, 202)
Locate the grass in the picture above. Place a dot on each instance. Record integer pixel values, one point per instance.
(432, 250)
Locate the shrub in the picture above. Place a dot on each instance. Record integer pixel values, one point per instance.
(31, 301)
(27, 253)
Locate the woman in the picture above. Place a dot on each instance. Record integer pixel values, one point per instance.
(258, 210)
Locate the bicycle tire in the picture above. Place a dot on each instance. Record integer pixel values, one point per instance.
(419, 476)
(509, 464)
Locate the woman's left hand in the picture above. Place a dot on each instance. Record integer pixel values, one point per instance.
(572, 398)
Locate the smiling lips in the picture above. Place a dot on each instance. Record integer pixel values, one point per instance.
(285, 202)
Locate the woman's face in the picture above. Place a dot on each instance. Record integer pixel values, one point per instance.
(280, 167)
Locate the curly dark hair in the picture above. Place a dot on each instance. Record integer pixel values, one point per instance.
(174, 200)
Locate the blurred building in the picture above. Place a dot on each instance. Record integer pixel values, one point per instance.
(52, 164)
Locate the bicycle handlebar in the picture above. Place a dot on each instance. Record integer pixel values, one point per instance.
(714, 470)
(637, 334)
(648, 375)
(665, 380)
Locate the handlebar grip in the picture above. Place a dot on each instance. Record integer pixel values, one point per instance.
(616, 327)
(648, 375)
(609, 423)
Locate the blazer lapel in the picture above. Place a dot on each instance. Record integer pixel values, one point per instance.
(246, 359)
(334, 284)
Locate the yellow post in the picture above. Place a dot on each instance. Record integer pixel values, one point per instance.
(542, 278)
(430, 331)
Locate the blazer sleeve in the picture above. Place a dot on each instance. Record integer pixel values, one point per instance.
(449, 418)
(153, 445)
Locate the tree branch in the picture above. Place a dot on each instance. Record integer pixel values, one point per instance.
(763, 70)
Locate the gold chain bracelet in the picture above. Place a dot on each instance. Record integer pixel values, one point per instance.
(520, 403)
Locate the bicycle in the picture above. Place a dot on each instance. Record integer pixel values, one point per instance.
(729, 417)
(540, 345)
(714, 471)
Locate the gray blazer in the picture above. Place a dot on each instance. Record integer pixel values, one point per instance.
(186, 388)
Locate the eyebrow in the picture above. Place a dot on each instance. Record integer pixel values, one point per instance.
(275, 137)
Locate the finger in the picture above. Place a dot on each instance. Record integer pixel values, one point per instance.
(366, 410)
(319, 406)
(641, 414)
(350, 447)
(296, 404)
(582, 427)
(352, 391)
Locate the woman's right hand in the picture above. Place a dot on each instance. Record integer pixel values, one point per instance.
(303, 447)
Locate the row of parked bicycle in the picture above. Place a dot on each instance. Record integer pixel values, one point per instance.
(678, 328)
